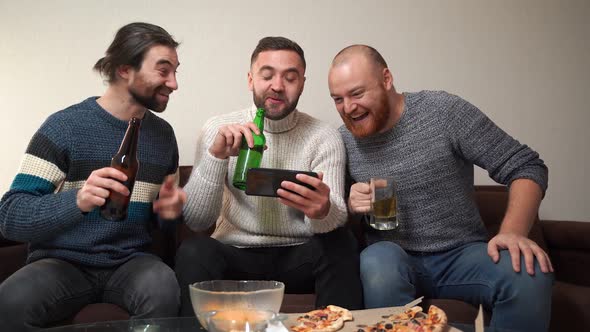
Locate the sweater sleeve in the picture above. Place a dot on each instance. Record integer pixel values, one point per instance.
(204, 188)
(479, 140)
(330, 159)
(31, 210)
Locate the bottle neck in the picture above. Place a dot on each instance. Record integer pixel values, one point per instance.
(129, 144)
(259, 119)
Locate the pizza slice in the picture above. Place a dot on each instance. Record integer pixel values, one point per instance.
(411, 320)
(329, 319)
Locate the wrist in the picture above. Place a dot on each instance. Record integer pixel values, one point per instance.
(217, 154)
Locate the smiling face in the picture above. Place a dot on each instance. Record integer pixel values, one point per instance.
(276, 80)
(361, 90)
(152, 84)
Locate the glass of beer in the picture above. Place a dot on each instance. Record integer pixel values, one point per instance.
(383, 204)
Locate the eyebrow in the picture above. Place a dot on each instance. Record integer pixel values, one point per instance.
(288, 70)
(350, 91)
(166, 62)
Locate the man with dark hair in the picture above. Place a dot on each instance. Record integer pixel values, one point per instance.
(75, 256)
(428, 142)
(297, 238)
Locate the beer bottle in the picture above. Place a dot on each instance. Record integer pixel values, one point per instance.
(250, 157)
(125, 160)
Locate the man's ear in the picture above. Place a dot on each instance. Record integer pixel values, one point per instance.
(387, 79)
(250, 83)
(124, 71)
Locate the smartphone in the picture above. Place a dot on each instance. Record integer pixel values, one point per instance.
(266, 181)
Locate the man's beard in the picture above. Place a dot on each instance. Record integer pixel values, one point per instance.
(378, 121)
(149, 102)
(259, 101)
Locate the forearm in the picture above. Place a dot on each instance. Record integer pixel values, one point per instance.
(336, 217)
(205, 192)
(331, 161)
(523, 205)
(28, 218)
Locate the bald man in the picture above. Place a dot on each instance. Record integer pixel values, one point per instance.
(429, 141)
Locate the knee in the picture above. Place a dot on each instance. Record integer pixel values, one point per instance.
(521, 284)
(383, 262)
(16, 300)
(161, 290)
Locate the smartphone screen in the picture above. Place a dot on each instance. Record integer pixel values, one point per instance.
(266, 181)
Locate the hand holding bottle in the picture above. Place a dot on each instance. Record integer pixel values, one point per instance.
(228, 140)
(98, 186)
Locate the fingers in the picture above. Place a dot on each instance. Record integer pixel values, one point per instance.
(514, 256)
(314, 204)
(360, 198)
(543, 259)
(229, 139)
(98, 186)
(171, 200)
(493, 251)
(519, 245)
(109, 172)
(529, 259)
(167, 188)
(108, 178)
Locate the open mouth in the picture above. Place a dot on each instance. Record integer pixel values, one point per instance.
(360, 117)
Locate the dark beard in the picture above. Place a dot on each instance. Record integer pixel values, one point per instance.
(149, 102)
(290, 107)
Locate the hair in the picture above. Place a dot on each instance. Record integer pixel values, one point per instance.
(277, 44)
(370, 52)
(129, 47)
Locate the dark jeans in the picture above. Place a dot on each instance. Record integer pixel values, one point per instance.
(327, 263)
(50, 290)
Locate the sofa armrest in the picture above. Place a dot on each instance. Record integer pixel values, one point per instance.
(569, 250)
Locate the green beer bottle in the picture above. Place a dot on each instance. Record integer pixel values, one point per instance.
(250, 157)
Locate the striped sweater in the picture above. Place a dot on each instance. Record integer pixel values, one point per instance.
(298, 142)
(431, 152)
(40, 207)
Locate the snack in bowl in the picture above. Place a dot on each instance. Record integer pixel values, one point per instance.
(328, 319)
(411, 320)
(215, 295)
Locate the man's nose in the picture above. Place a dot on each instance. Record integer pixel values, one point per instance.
(277, 84)
(349, 106)
(172, 83)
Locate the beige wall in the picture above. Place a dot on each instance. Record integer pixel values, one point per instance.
(524, 63)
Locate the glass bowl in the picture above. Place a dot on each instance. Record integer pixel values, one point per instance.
(213, 295)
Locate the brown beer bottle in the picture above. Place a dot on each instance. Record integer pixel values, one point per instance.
(125, 160)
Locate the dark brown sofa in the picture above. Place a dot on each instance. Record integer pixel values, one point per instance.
(567, 242)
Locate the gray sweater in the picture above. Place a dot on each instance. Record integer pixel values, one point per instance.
(431, 152)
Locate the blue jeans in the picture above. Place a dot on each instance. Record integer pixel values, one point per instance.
(50, 290)
(518, 301)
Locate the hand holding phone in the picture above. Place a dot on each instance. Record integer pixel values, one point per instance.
(266, 181)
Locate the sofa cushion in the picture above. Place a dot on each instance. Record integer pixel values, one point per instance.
(12, 258)
(569, 307)
(99, 312)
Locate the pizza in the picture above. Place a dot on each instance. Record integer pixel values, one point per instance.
(328, 319)
(411, 320)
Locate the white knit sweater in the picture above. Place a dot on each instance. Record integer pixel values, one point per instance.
(297, 142)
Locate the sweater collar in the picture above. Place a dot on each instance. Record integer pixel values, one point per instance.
(277, 126)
